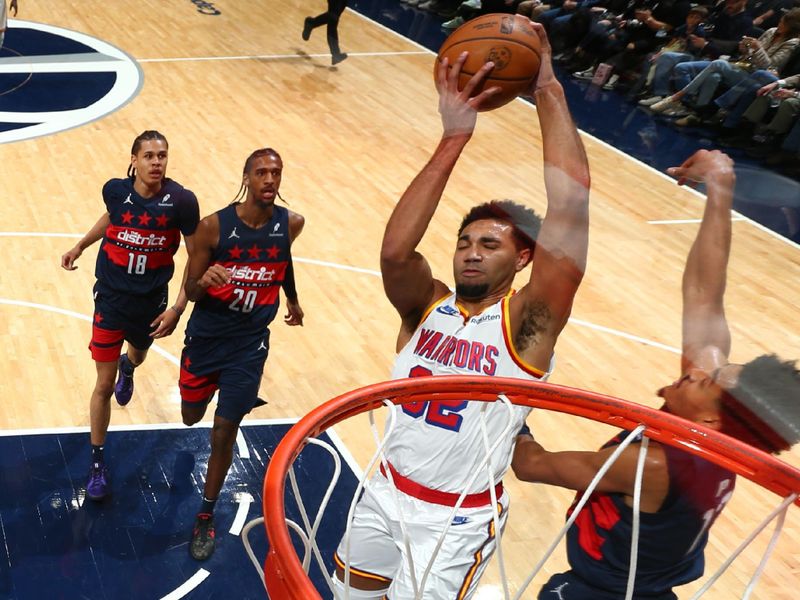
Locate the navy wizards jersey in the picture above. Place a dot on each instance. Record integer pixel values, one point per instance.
(136, 256)
(671, 541)
(256, 260)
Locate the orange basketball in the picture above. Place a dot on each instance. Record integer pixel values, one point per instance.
(508, 41)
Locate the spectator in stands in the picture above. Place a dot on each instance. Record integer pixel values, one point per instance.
(770, 52)
(533, 8)
(733, 103)
(469, 9)
(767, 13)
(761, 129)
(643, 29)
(725, 28)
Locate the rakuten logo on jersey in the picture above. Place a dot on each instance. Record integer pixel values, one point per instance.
(136, 238)
(245, 273)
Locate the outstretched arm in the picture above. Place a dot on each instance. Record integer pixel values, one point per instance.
(407, 276)
(559, 260)
(95, 233)
(575, 470)
(706, 335)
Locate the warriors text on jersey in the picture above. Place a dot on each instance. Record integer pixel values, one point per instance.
(439, 444)
(136, 256)
(671, 541)
(256, 260)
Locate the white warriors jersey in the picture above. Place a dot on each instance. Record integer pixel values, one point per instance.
(440, 445)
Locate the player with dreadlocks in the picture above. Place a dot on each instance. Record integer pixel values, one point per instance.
(240, 260)
(146, 213)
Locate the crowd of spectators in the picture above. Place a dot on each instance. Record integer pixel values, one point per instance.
(731, 67)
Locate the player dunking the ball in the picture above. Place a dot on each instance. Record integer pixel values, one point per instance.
(682, 494)
(146, 214)
(483, 328)
(241, 259)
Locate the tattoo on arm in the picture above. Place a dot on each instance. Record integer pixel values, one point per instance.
(535, 318)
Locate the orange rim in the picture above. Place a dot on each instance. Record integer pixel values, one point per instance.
(283, 572)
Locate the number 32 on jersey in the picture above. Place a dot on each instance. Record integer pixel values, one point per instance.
(439, 413)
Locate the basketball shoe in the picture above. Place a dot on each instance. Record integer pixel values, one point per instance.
(202, 546)
(97, 484)
(123, 390)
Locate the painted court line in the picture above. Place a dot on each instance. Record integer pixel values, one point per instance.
(139, 427)
(241, 445)
(372, 272)
(345, 452)
(188, 585)
(245, 500)
(685, 221)
(622, 334)
(271, 56)
(46, 307)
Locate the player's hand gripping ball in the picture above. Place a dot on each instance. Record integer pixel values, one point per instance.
(508, 41)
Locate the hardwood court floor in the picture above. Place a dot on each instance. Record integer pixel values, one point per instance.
(352, 138)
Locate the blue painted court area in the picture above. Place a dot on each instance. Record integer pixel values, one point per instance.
(54, 543)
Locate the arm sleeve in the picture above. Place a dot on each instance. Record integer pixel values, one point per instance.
(289, 287)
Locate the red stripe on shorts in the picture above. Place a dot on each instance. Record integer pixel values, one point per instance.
(197, 388)
(106, 344)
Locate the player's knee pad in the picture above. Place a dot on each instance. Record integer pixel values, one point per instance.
(338, 588)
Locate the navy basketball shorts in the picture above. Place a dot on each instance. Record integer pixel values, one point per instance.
(120, 317)
(568, 586)
(232, 365)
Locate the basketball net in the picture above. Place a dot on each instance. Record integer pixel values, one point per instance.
(286, 574)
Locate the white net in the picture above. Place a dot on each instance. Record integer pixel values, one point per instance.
(419, 571)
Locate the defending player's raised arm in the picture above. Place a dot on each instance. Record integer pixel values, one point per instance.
(706, 336)
(560, 257)
(407, 277)
(575, 470)
(200, 275)
(94, 234)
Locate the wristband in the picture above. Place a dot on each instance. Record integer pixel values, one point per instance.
(177, 310)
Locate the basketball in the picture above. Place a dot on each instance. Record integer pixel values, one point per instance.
(508, 41)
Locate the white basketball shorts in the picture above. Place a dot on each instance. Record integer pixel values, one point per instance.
(377, 550)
